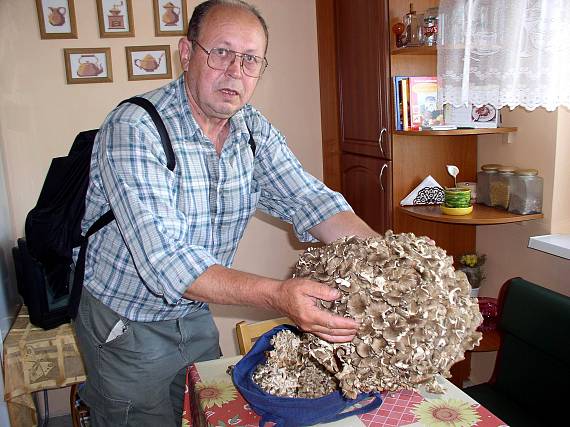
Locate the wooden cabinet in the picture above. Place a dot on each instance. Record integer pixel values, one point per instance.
(363, 67)
(367, 185)
(354, 70)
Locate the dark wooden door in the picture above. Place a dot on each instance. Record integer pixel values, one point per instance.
(367, 186)
(363, 61)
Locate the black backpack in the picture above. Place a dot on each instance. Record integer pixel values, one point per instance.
(53, 229)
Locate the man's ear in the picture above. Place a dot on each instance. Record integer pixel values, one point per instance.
(185, 51)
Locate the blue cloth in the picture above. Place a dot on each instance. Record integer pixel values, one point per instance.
(288, 411)
(171, 226)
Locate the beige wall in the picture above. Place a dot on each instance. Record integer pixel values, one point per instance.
(542, 142)
(40, 114)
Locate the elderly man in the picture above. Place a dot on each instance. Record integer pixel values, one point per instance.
(149, 275)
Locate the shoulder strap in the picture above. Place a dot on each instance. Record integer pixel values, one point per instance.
(164, 138)
(108, 216)
(251, 141)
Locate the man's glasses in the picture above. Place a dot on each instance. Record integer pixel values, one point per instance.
(220, 58)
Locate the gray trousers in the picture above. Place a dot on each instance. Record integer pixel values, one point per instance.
(136, 376)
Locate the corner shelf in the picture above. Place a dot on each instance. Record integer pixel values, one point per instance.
(420, 50)
(481, 215)
(455, 132)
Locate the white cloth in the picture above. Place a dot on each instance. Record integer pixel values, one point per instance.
(504, 53)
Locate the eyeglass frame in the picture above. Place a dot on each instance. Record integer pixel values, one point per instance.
(264, 63)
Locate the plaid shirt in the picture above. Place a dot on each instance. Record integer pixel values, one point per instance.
(171, 226)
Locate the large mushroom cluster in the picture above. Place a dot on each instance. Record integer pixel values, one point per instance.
(416, 314)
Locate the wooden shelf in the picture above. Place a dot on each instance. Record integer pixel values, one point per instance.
(455, 132)
(420, 50)
(491, 341)
(481, 215)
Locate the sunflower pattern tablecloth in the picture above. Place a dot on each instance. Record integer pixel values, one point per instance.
(211, 400)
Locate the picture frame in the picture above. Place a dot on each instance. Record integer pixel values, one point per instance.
(149, 62)
(115, 18)
(88, 65)
(170, 18)
(56, 19)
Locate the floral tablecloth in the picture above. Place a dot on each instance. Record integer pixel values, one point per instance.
(212, 400)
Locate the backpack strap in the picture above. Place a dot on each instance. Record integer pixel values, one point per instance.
(164, 138)
(251, 141)
(108, 216)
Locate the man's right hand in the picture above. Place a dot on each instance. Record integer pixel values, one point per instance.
(297, 298)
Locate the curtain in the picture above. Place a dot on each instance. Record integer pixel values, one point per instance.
(505, 53)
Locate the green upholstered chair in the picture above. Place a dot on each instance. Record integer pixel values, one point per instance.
(530, 385)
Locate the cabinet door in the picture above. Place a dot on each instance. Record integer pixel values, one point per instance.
(367, 186)
(363, 58)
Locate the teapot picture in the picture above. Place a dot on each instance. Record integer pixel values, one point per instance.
(148, 63)
(56, 16)
(89, 66)
(172, 14)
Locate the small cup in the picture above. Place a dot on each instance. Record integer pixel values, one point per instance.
(470, 185)
(457, 197)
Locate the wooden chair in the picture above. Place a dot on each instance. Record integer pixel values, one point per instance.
(248, 333)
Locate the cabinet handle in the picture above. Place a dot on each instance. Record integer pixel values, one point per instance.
(384, 166)
(380, 141)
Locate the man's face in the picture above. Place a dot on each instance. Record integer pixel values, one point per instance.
(220, 93)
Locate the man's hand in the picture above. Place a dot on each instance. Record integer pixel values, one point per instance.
(297, 298)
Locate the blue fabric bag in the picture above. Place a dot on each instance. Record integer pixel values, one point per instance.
(290, 411)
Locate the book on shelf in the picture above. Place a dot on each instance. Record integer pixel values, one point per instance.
(405, 94)
(424, 111)
(397, 102)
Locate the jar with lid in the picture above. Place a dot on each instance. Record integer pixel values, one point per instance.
(526, 192)
(500, 186)
(483, 181)
(430, 26)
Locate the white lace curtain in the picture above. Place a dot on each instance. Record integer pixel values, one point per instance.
(505, 53)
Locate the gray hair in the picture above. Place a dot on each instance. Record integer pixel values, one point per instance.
(200, 12)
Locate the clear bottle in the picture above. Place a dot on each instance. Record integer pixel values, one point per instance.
(526, 192)
(483, 181)
(413, 29)
(430, 29)
(500, 186)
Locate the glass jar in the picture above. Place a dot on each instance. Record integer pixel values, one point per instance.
(430, 26)
(483, 181)
(500, 186)
(526, 192)
(413, 28)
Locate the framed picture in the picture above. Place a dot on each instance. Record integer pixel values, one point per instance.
(149, 62)
(56, 19)
(115, 18)
(170, 17)
(88, 65)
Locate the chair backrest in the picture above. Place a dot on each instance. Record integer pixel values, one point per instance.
(533, 362)
(248, 333)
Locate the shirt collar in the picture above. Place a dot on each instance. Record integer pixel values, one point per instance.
(237, 121)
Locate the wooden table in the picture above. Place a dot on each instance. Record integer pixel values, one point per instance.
(212, 400)
(37, 360)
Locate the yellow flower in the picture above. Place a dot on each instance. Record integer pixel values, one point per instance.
(446, 413)
(216, 393)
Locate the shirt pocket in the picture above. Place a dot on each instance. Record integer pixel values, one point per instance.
(237, 210)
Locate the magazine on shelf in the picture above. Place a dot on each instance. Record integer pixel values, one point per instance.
(424, 111)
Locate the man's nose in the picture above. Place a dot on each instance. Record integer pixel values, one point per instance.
(234, 69)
